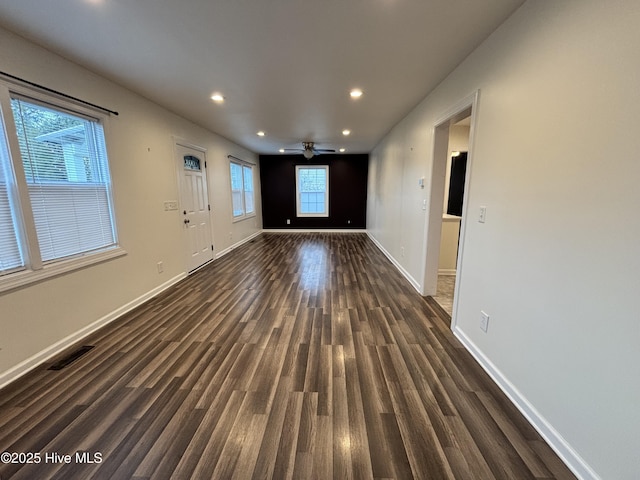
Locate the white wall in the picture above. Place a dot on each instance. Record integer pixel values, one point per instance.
(556, 265)
(141, 152)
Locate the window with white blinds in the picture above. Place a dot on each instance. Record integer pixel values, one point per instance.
(55, 188)
(242, 197)
(65, 166)
(236, 189)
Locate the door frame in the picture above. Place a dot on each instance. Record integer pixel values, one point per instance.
(433, 226)
(177, 141)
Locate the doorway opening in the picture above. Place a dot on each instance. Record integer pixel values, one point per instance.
(452, 212)
(448, 201)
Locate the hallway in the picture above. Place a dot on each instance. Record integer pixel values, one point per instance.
(294, 356)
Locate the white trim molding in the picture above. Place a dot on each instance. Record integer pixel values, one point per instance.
(222, 253)
(556, 441)
(414, 283)
(53, 269)
(39, 358)
(315, 230)
(446, 271)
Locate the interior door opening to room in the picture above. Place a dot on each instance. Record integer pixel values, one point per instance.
(195, 215)
(448, 206)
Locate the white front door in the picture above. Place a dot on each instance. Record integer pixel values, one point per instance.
(194, 206)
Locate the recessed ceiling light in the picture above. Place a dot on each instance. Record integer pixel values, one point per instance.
(281, 150)
(346, 132)
(217, 97)
(261, 133)
(355, 93)
(342, 150)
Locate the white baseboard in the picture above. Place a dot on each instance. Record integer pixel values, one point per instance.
(314, 230)
(562, 448)
(446, 271)
(222, 253)
(400, 268)
(29, 364)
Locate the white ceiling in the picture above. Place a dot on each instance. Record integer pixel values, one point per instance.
(284, 66)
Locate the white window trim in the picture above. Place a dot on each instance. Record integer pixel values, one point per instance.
(326, 197)
(27, 276)
(243, 164)
(35, 270)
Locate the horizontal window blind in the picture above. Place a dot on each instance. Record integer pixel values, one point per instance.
(10, 254)
(70, 220)
(65, 164)
(247, 173)
(236, 189)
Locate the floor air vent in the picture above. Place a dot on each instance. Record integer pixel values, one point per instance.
(72, 357)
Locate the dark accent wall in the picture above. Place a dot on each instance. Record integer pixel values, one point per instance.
(347, 191)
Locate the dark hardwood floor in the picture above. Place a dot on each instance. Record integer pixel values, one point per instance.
(302, 356)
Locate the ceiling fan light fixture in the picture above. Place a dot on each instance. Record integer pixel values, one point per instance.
(308, 153)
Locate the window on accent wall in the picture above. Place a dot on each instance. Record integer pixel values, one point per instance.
(312, 191)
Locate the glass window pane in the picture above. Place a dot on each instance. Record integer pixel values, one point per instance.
(248, 188)
(236, 189)
(312, 190)
(66, 168)
(236, 177)
(237, 204)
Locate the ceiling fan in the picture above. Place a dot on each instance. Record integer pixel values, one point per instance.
(309, 150)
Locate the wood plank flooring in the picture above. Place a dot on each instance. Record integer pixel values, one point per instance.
(301, 356)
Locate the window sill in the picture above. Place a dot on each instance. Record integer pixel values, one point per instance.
(243, 217)
(26, 277)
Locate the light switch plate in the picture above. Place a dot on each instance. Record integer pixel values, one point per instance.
(483, 214)
(484, 321)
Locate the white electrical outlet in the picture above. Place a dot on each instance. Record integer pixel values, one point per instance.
(484, 321)
(288, 221)
(160, 267)
(170, 205)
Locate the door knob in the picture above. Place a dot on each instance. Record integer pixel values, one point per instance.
(186, 220)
